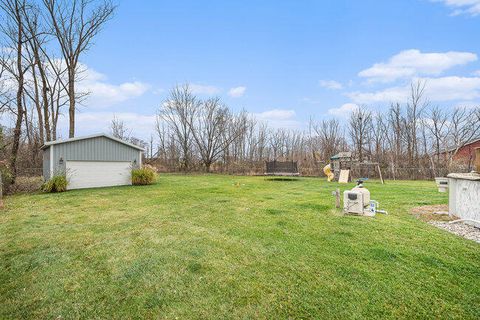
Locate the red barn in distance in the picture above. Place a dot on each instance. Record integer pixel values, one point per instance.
(465, 154)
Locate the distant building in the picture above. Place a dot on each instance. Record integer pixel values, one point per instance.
(465, 154)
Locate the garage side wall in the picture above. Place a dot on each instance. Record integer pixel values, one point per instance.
(46, 163)
(94, 149)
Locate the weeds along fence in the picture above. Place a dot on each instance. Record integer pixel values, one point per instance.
(29, 171)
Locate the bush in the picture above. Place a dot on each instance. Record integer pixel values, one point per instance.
(57, 183)
(5, 173)
(143, 176)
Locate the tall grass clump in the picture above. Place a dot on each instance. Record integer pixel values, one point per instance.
(57, 183)
(144, 175)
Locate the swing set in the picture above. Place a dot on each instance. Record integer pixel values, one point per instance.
(370, 165)
(343, 164)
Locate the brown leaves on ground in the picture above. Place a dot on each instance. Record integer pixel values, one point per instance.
(436, 212)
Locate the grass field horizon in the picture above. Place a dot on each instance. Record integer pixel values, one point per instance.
(217, 247)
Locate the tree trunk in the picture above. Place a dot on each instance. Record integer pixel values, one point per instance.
(38, 106)
(208, 165)
(18, 123)
(54, 112)
(71, 97)
(43, 77)
(17, 132)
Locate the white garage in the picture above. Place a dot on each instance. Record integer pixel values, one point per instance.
(92, 161)
(91, 174)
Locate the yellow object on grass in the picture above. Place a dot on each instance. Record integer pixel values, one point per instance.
(328, 172)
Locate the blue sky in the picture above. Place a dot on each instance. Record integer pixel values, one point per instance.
(283, 61)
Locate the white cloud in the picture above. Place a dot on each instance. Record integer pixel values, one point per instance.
(476, 73)
(394, 94)
(94, 122)
(237, 92)
(344, 110)
(467, 104)
(279, 118)
(453, 88)
(470, 7)
(104, 94)
(101, 93)
(204, 89)
(331, 84)
(436, 89)
(276, 114)
(410, 63)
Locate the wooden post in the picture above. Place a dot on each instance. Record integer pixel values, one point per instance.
(477, 160)
(337, 198)
(380, 174)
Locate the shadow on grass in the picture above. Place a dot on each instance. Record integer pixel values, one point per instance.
(282, 179)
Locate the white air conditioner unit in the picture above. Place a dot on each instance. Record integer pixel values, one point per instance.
(353, 202)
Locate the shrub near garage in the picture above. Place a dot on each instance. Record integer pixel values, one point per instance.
(57, 183)
(144, 175)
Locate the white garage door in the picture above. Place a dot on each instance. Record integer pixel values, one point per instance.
(91, 174)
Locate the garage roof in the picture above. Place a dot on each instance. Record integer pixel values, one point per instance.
(50, 143)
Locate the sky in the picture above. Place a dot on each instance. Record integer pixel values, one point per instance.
(284, 61)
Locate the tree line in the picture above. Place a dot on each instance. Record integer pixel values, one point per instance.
(411, 140)
(41, 43)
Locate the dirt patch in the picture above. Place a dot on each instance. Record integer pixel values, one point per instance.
(437, 215)
(437, 212)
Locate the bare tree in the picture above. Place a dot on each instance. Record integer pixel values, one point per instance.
(463, 127)
(12, 61)
(57, 97)
(277, 139)
(75, 24)
(119, 130)
(415, 108)
(262, 138)
(360, 124)
(251, 138)
(36, 38)
(436, 124)
(213, 129)
(178, 111)
(163, 135)
(379, 132)
(330, 137)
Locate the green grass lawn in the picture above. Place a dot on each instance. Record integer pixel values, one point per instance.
(214, 246)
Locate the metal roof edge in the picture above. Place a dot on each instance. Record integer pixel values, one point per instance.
(91, 136)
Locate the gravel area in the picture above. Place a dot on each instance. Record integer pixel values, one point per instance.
(460, 229)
